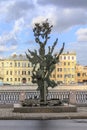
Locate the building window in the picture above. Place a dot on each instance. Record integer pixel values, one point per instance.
(10, 72)
(15, 79)
(2, 64)
(28, 64)
(7, 79)
(18, 72)
(53, 75)
(68, 63)
(10, 79)
(15, 72)
(15, 64)
(58, 76)
(28, 72)
(68, 57)
(18, 79)
(64, 63)
(78, 74)
(7, 72)
(60, 69)
(84, 74)
(23, 72)
(28, 79)
(72, 76)
(18, 64)
(72, 57)
(23, 64)
(64, 57)
(10, 64)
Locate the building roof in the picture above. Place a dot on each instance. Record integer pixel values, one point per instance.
(17, 57)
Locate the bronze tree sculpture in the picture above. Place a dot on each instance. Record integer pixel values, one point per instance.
(43, 63)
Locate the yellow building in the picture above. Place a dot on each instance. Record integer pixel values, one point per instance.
(65, 71)
(81, 73)
(15, 70)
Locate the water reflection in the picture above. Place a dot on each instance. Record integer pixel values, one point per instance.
(43, 124)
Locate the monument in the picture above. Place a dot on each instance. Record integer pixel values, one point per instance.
(43, 66)
(44, 63)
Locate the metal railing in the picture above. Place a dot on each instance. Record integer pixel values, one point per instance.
(11, 97)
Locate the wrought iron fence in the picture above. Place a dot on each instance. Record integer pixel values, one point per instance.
(11, 97)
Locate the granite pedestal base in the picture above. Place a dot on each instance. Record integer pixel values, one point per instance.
(44, 109)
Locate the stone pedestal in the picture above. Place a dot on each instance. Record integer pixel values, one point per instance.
(45, 109)
(72, 97)
(22, 96)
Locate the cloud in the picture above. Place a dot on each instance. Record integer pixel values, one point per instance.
(63, 3)
(14, 53)
(10, 39)
(4, 9)
(30, 42)
(38, 19)
(4, 48)
(6, 38)
(80, 46)
(63, 19)
(20, 15)
(41, 19)
(15, 9)
(65, 14)
(18, 9)
(18, 25)
(13, 47)
(82, 34)
(70, 18)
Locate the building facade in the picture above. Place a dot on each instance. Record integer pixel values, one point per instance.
(81, 74)
(65, 70)
(17, 70)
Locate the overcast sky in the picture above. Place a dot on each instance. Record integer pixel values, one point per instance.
(69, 19)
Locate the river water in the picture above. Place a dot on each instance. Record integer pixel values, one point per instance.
(75, 124)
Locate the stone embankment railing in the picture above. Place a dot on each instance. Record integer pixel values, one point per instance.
(13, 94)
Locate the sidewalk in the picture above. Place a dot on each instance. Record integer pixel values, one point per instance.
(8, 114)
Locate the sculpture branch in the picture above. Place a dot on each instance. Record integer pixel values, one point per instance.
(44, 64)
(54, 45)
